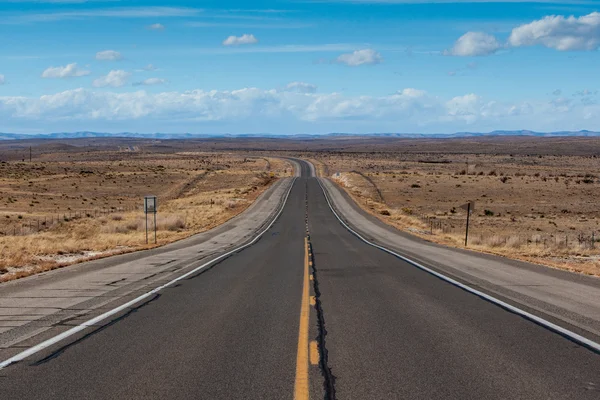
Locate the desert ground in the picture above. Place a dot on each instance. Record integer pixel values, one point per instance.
(72, 203)
(535, 198)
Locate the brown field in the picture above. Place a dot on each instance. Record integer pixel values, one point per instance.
(73, 203)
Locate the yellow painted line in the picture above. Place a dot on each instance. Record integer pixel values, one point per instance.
(301, 384)
(313, 300)
(314, 353)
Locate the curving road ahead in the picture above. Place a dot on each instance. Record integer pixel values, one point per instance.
(322, 315)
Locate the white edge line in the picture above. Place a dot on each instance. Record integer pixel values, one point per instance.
(47, 343)
(538, 320)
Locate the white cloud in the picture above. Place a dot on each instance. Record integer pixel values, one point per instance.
(282, 111)
(109, 55)
(2, 79)
(156, 27)
(360, 57)
(115, 78)
(150, 82)
(237, 40)
(149, 67)
(474, 44)
(410, 92)
(560, 33)
(465, 107)
(585, 92)
(300, 87)
(68, 71)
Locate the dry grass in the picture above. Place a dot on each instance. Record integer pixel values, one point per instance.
(196, 191)
(539, 209)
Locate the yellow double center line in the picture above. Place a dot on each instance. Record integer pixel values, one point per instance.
(301, 386)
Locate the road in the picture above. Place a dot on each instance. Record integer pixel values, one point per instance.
(327, 317)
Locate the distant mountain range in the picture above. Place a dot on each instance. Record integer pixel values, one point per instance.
(75, 135)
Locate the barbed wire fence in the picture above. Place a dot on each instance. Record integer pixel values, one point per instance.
(581, 240)
(26, 225)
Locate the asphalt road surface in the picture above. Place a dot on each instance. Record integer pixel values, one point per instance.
(382, 328)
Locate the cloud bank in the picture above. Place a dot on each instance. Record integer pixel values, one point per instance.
(298, 107)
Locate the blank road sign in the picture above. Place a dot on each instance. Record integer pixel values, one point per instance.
(466, 206)
(150, 204)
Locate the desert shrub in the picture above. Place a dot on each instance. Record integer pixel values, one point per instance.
(415, 185)
(407, 211)
(588, 180)
(496, 241)
(133, 225)
(488, 213)
(504, 179)
(170, 223)
(385, 212)
(475, 240)
(513, 242)
(492, 173)
(117, 217)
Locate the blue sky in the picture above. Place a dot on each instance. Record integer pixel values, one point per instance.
(298, 66)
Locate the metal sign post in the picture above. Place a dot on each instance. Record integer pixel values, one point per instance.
(469, 207)
(150, 206)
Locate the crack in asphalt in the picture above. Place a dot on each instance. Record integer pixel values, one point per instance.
(328, 377)
(329, 382)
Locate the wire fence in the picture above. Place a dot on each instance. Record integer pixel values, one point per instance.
(30, 225)
(559, 240)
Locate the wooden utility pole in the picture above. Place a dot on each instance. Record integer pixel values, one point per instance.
(469, 207)
(467, 231)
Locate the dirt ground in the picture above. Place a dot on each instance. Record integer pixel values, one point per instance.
(539, 208)
(72, 203)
